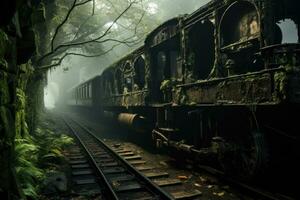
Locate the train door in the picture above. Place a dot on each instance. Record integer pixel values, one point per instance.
(166, 68)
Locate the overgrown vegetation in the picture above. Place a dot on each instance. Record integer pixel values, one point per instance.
(36, 156)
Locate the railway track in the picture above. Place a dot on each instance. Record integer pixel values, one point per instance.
(123, 174)
(117, 173)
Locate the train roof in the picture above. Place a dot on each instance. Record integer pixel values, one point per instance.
(135, 52)
(202, 11)
(174, 21)
(86, 81)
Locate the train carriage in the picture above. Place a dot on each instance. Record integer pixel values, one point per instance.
(217, 83)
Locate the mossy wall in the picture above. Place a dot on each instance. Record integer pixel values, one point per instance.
(8, 78)
(21, 91)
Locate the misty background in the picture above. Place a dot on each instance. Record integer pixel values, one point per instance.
(76, 69)
(135, 24)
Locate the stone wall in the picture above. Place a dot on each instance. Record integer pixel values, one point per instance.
(8, 81)
(21, 88)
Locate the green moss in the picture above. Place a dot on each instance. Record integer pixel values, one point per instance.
(165, 84)
(280, 80)
(3, 64)
(3, 43)
(4, 89)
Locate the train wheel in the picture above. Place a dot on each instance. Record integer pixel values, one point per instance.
(247, 158)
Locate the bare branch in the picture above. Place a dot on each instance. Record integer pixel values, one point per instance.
(46, 67)
(126, 41)
(93, 10)
(74, 5)
(85, 21)
(88, 41)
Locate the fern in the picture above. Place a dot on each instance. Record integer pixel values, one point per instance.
(35, 156)
(27, 171)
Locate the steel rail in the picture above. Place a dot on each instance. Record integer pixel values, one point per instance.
(110, 193)
(149, 185)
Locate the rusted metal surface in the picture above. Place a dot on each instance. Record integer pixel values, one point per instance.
(220, 71)
(240, 90)
(222, 39)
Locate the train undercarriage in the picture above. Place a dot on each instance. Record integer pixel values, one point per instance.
(247, 141)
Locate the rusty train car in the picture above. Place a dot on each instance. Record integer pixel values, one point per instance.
(219, 83)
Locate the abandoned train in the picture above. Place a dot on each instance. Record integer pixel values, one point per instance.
(219, 83)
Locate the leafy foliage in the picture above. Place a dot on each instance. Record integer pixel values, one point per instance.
(35, 156)
(26, 166)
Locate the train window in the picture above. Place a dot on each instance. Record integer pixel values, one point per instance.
(201, 55)
(128, 83)
(87, 91)
(119, 81)
(109, 84)
(127, 66)
(139, 69)
(83, 92)
(90, 90)
(161, 65)
(289, 31)
(240, 23)
(176, 70)
(128, 76)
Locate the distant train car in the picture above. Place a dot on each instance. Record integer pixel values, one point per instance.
(125, 82)
(217, 83)
(86, 95)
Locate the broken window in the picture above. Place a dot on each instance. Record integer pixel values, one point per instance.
(239, 23)
(128, 76)
(164, 59)
(139, 68)
(167, 58)
(288, 31)
(119, 81)
(240, 39)
(201, 50)
(176, 67)
(161, 65)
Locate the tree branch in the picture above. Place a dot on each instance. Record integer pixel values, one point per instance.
(135, 42)
(83, 42)
(93, 10)
(74, 5)
(46, 67)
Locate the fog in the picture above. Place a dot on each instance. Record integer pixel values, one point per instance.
(76, 69)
